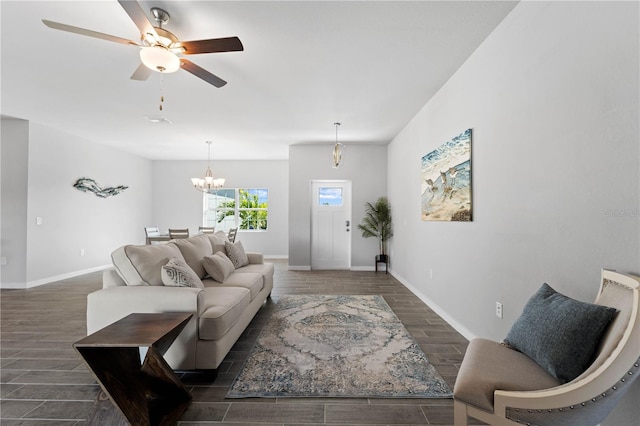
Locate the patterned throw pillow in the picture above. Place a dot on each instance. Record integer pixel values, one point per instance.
(235, 252)
(176, 273)
(218, 266)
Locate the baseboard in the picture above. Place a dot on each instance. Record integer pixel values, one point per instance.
(299, 268)
(363, 268)
(55, 278)
(11, 286)
(276, 256)
(437, 309)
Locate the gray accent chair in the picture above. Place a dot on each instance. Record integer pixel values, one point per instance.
(501, 386)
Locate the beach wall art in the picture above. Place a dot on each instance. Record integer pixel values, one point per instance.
(446, 181)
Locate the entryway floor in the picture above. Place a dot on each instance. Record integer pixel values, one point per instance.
(44, 382)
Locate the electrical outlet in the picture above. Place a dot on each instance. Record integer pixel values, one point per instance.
(499, 309)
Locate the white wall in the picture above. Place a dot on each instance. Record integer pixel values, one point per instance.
(71, 219)
(14, 144)
(177, 204)
(364, 165)
(552, 97)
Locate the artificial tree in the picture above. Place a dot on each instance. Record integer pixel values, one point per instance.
(378, 223)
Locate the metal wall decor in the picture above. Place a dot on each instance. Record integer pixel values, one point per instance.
(90, 185)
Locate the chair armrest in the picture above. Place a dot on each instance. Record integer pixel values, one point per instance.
(255, 258)
(111, 304)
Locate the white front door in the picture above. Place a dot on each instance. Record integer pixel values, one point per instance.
(330, 225)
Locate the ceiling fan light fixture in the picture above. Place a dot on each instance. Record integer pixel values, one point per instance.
(160, 59)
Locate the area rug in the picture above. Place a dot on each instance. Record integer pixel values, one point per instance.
(336, 346)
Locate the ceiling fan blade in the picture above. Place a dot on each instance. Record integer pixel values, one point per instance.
(214, 45)
(138, 17)
(85, 32)
(201, 73)
(141, 73)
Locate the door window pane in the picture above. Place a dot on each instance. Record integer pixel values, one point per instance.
(329, 196)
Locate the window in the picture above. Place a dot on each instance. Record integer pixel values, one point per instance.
(329, 196)
(245, 209)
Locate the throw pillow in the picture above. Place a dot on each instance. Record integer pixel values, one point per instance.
(218, 266)
(235, 252)
(176, 273)
(559, 333)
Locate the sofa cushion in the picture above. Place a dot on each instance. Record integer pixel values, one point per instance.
(559, 333)
(217, 241)
(218, 266)
(222, 308)
(176, 273)
(235, 252)
(249, 280)
(193, 249)
(489, 366)
(257, 268)
(142, 265)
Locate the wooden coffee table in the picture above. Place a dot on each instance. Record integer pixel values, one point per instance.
(147, 393)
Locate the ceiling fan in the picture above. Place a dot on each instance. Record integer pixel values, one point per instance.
(159, 48)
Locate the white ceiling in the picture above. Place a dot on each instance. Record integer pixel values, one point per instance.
(370, 65)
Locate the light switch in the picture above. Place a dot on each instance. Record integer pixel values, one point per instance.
(38, 220)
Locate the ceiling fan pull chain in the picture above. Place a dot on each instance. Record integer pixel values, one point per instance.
(161, 90)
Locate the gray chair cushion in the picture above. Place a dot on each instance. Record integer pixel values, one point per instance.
(489, 366)
(559, 333)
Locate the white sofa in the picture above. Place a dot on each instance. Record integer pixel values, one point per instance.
(221, 310)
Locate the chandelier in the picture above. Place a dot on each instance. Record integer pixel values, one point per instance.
(338, 150)
(208, 183)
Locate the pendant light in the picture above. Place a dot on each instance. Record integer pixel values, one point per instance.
(208, 183)
(338, 150)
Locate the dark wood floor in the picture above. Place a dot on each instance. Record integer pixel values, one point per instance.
(44, 382)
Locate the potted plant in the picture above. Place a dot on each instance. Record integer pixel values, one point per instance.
(377, 223)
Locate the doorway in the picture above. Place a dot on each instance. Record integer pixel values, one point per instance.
(330, 224)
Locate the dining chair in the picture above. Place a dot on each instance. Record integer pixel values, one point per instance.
(151, 231)
(206, 229)
(232, 234)
(178, 233)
